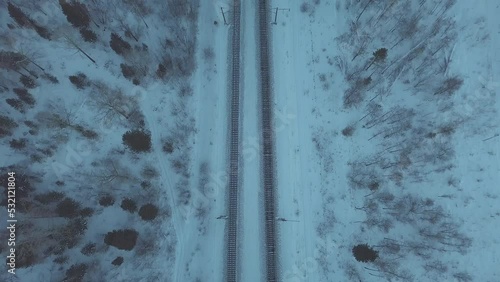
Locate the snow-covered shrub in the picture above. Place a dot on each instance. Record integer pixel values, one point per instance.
(124, 239)
(148, 212)
(364, 253)
(128, 205)
(137, 140)
(68, 208)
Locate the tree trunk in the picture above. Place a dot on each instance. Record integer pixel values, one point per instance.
(369, 2)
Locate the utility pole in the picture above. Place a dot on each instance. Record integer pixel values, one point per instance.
(223, 16)
(276, 14)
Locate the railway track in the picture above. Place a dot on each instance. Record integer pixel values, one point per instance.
(271, 257)
(268, 164)
(234, 152)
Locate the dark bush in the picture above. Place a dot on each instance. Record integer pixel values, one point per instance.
(119, 45)
(364, 253)
(6, 126)
(68, 208)
(127, 71)
(30, 124)
(128, 205)
(79, 80)
(148, 212)
(25, 96)
(19, 16)
(76, 13)
(49, 197)
(137, 140)
(380, 54)
(27, 81)
(185, 90)
(59, 183)
(145, 184)
(87, 212)
(106, 201)
(161, 71)
(50, 78)
(87, 133)
(168, 147)
(374, 185)
(70, 234)
(76, 272)
(117, 261)
(305, 8)
(16, 104)
(88, 35)
(18, 143)
(348, 131)
(25, 255)
(42, 31)
(136, 81)
(450, 86)
(124, 239)
(89, 249)
(61, 259)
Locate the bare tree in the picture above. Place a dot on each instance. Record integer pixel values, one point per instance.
(111, 104)
(102, 11)
(74, 43)
(112, 172)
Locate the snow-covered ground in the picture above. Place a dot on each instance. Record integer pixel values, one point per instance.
(325, 212)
